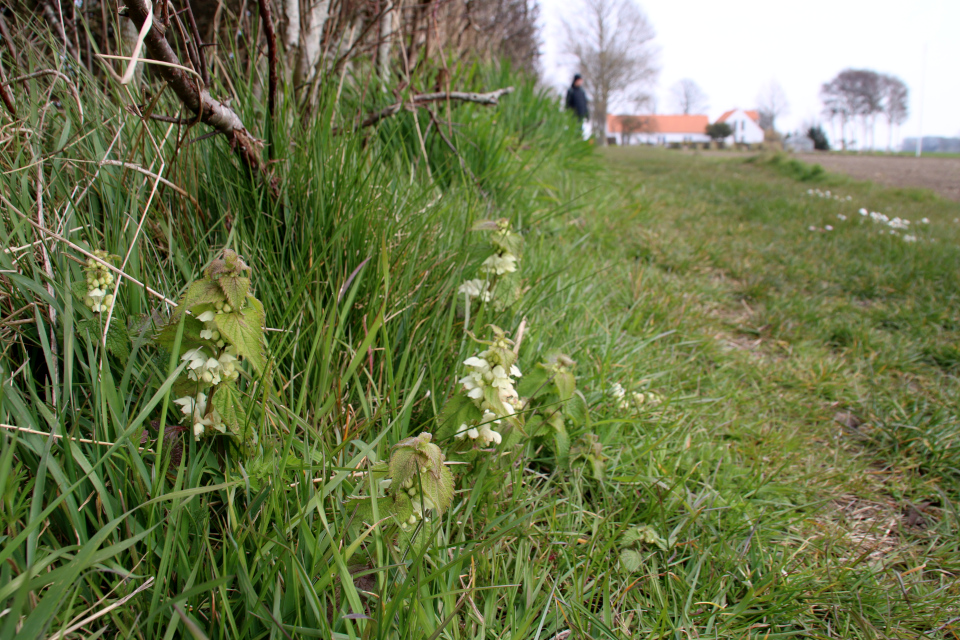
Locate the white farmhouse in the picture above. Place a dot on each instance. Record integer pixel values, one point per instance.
(657, 130)
(745, 125)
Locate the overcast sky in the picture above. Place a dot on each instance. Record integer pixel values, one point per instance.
(732, 48)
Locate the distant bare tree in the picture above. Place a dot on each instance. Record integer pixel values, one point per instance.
(688, 97)
(632, 125)
(771, 103)
(612, 41)
(854, 93)
(894, 105)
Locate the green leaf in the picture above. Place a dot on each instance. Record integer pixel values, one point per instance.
(191, 334)
(566, 384)
(235, 288)
(631, 560)
(229, 404)
(576, 409)
(79, 288)
(200, 292)
(403, 465)
(244, 330)
(117, 340)
(534, 383)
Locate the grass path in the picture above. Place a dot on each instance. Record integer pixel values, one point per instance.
(810, 356)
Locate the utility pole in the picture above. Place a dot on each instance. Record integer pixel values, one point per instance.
(923, 78)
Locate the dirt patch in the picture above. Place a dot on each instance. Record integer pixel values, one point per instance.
(939, 174)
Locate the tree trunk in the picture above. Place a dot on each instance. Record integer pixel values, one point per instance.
(312, 34)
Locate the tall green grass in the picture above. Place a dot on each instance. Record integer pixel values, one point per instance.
(357, 263)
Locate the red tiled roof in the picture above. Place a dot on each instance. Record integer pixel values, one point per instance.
(662, 124)
(752, 114)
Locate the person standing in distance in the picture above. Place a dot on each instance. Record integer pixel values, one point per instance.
(577, 98)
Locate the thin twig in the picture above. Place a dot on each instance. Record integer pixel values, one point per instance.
(58, 436)
(5, 95)
(267, 19)
(105, 610)
(195, 34)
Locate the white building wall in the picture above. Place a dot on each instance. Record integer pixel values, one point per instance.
(745, 130)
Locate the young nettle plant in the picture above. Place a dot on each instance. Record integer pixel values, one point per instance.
(415, 482)
(551, 399)
(222, 327)
(497, 268)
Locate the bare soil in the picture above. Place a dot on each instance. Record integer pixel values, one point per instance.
(939, 174)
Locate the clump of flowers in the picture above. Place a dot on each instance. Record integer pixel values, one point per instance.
(504, 261)
(99, 278)
(826, 194)
(489, 384)
(222, 326)
(636, 400)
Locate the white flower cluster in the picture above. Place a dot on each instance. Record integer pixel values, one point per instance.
(476, 288)
(98, 279)
(490, 370)
(195, 409)
(500, 263)
(827, 194)
(210, 331)
(213, 370)
(896, 224)
(636, 399)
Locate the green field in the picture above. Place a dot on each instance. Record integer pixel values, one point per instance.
(783, 460)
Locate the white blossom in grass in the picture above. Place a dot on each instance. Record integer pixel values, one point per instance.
(899, 223)
(864, 212)
(500, 264)
(849, 198)
(909, 238)
(828, 228)
(925, 221)
(840, 216)
(812, 228)
(476, 288)
(195, 409)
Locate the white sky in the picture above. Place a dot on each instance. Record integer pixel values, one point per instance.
(732, 48)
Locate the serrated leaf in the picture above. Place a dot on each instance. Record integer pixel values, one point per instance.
(229, 404)
(79, 289)
(576, 409)
(244, 330)
(403, 465)
(200, 292)
(631, 560)
(117, 340)
(534, 383)
(566, 384)
(235, 288)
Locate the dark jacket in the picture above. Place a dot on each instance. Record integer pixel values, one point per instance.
(577, 102)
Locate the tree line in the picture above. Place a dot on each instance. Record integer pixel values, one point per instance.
(860, 96)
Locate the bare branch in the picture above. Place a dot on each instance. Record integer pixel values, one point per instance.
(198, 100)
(490, 98)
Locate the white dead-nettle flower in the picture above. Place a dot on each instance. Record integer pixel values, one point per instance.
(476, 288)
(196, 410)
(500, 264)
